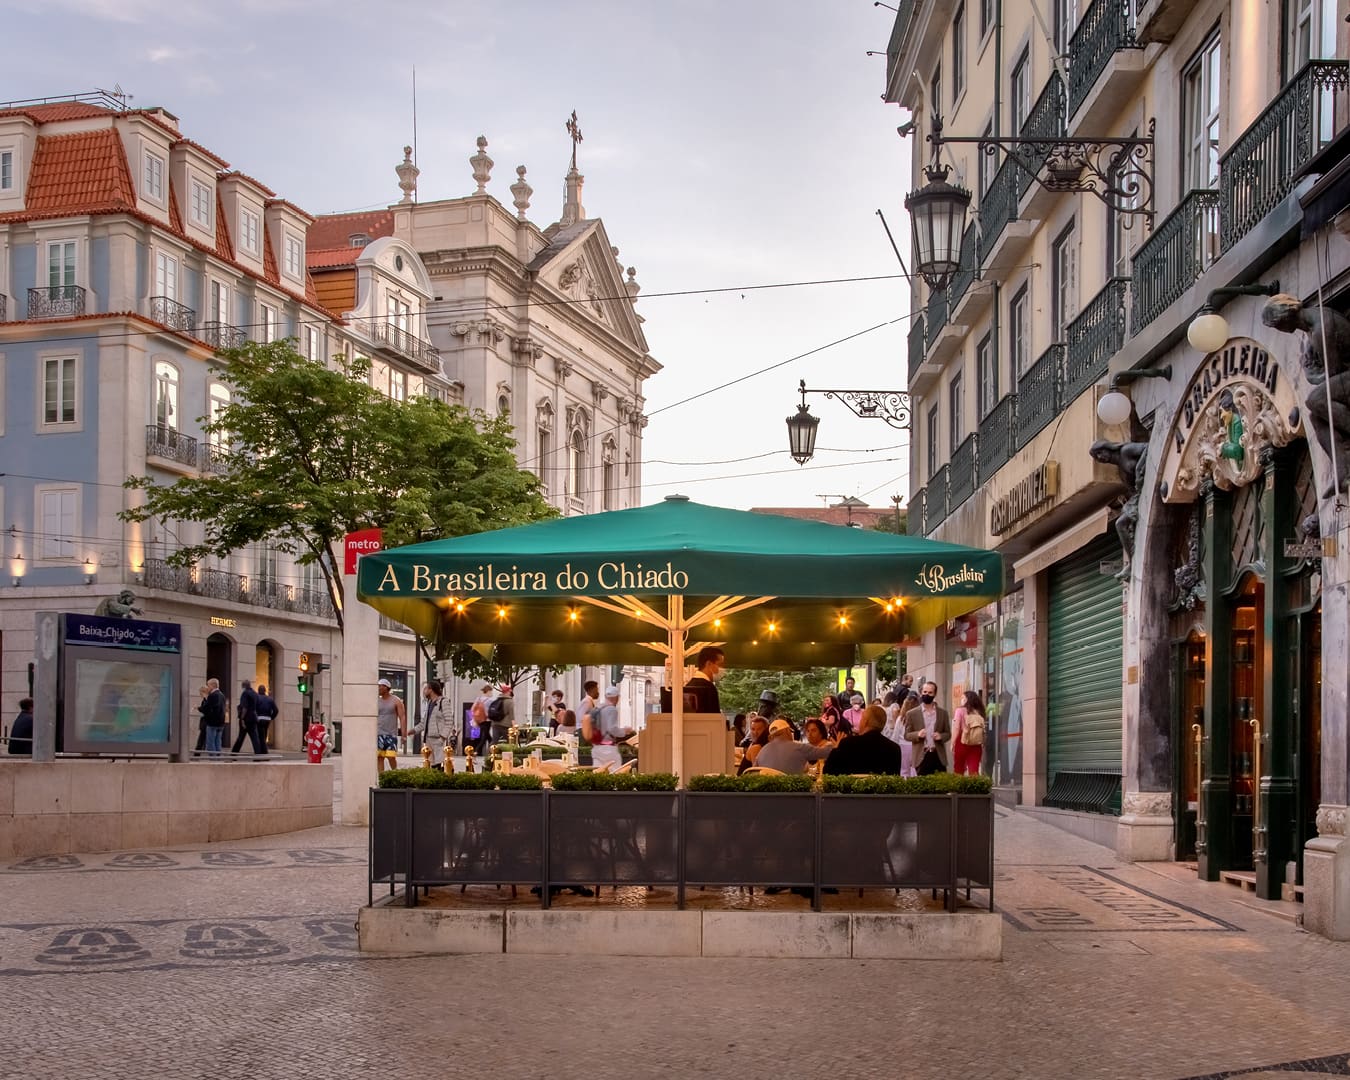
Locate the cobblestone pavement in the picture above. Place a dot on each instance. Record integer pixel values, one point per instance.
(238, 960)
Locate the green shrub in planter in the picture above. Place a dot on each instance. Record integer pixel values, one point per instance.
(435, 780)
(758, 782)
(594, 781)
(934, 784)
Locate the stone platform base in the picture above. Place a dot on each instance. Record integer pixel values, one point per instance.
(90, 805)
(390, 927)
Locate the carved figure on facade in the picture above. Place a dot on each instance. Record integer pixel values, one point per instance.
(563, 368)
(1189, 578)
(543, 415)
(1326, 359)
(599, 391)
(121, 606)
(1230, 438)
(1130, 460)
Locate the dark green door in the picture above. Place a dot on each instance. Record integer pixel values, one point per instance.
(1086, 626)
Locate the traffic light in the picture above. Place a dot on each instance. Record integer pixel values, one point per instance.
(304, 663)
(302, 683)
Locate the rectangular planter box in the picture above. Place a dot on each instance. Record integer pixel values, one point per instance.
(681, 838)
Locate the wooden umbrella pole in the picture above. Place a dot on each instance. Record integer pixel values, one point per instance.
(675, 607)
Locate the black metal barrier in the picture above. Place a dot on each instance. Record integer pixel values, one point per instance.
(553, 839)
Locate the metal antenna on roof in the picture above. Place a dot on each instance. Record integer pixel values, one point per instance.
(414, 119)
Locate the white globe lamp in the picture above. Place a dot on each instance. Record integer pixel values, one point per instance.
(1208, 332)
(1114, 408)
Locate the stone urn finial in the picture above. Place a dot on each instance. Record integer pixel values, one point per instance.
(631, 284)
(482, 166)
(407, 175)
(521, 192)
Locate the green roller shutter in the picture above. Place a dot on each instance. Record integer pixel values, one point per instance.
(1083, 732)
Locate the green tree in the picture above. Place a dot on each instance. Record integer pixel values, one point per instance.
(314, 452)
(799, 692)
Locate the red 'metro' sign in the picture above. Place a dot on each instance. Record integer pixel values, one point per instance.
(361, 542)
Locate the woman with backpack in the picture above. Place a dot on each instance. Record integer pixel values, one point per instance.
(968, 728)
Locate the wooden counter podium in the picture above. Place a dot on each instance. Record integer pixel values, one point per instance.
(708, 744)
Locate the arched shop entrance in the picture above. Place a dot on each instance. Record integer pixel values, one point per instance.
(220, 666)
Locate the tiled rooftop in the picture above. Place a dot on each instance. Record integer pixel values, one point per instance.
(80, 173)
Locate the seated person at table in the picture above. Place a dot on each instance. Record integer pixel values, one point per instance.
(753, 743)
(816, 733)
(869, 751)
(781, 753)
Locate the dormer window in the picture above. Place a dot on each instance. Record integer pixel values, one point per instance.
(154, 177)
(201, 204)
(295, 256)
(248, 231)
(358, 240)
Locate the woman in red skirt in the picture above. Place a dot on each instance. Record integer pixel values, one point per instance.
(968, 729)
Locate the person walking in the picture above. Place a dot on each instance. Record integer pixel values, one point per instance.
(266, 711)
(929, 728)
(434, 726)
(968, 727)
(478, 716)
(21, 731)
(212, 708)
(247, 711)
(391, 724)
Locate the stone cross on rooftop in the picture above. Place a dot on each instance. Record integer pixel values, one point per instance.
(574, 130)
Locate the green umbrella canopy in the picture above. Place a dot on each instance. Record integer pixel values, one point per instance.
(607, 587)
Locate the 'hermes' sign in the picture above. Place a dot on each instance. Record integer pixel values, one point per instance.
(1028, 493)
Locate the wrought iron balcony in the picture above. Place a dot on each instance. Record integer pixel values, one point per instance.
(937, 314)
(963, 278)
(1263, 164)
(163, 441)
(995, 442)
(961, 473)
(916, 347)
(1171, 260)
(914, 516)
(214, 459)
(55, 302)
(904, 15)
(1105, 29)
(221, 335)
(1039, 394)
(935, 501)
(223, 585)
(3, 316)
(1045, 121)
(385, 335)
(1094, 337)
(172, 314)
(998, 205)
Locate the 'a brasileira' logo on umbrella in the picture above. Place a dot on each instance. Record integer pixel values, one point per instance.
(936, 579)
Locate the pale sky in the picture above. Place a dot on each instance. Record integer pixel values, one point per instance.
(732, 143)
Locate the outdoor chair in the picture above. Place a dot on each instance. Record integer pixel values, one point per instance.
(628, 766)
(761, 770)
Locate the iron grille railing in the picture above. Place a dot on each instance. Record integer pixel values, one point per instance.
(221, 335)
(165, 442)
(916, 347)
(1171, 260)
(1105, 29)
(995, 443)
(1261, 166)
(554, 839)
(223, 585)
(1039, 394)
(961, 473)
(214, 459)
(935, 501)
(962, 279)
(55, 302)
(998, 206)
(384, 333)
(914, 519)
(1045, 121)
(393, 625)
(1094, 337)
(3, 317)
(172, 314)
(937, 315)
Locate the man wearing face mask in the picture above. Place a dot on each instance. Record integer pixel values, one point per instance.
(929, 728)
